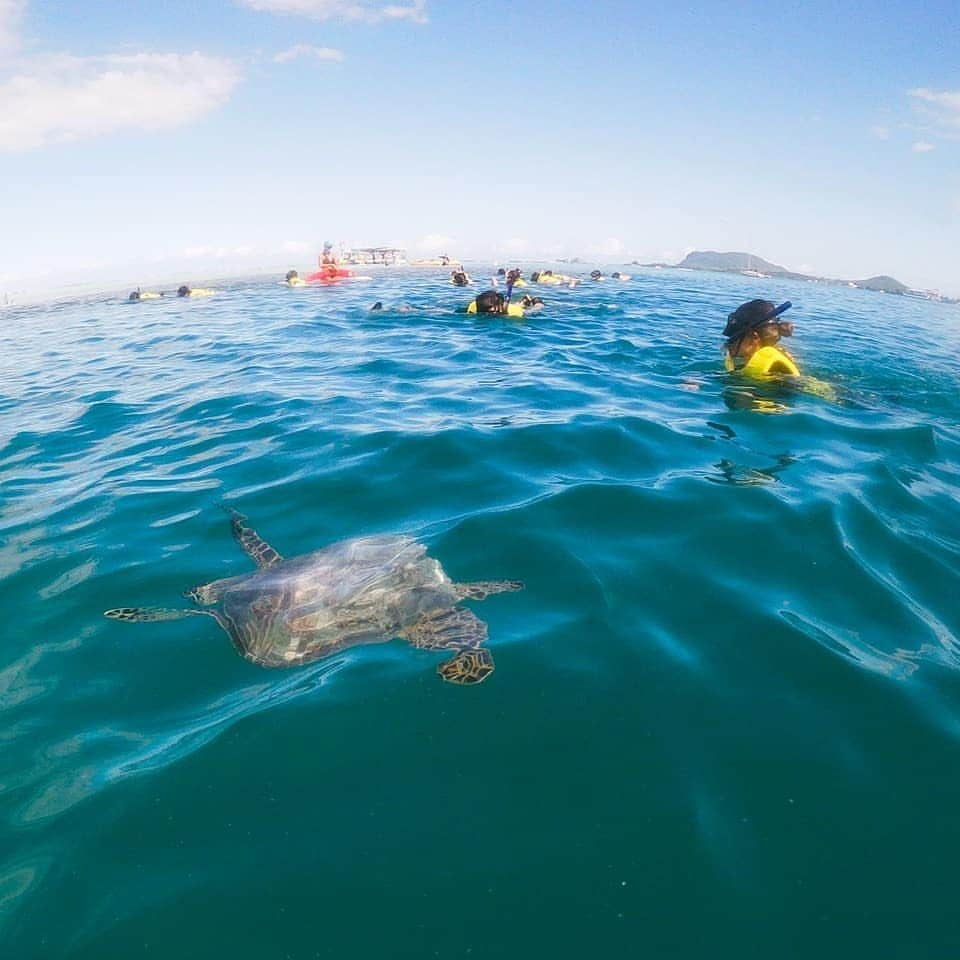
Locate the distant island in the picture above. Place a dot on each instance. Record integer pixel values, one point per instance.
(750, 265)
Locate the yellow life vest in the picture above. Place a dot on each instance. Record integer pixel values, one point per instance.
(149, 295)
(770, 360)
(297, 282)
(513, 309)
(202, 292)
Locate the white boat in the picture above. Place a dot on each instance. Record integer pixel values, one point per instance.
(368, 256)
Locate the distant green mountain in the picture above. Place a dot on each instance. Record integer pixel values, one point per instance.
(884, 284)
(732, 263)
(751, 264)
(709, 260)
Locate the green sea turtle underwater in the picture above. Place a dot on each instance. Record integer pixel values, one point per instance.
(359, 591)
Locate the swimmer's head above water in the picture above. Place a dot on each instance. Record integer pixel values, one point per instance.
(754, 325)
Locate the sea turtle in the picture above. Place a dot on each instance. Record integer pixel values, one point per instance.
(365, 590)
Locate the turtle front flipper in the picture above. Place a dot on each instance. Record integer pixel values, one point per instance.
(255, 547)
(481, 589)
(467, 667)
(149, 614)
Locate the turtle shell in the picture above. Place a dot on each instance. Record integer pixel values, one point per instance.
(365, 590)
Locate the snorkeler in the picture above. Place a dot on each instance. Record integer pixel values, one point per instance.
(186, 291)
(531, 304)
(459, 277)
(491, 302)
(753, 333)
(753, 349)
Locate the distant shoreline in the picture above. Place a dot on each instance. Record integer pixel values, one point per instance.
(750, 265)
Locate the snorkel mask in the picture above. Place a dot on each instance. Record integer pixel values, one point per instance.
(785, 327)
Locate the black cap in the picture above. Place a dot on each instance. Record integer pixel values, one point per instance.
(749, 316)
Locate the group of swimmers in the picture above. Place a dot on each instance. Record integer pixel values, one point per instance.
(753, 331)
(753, 335)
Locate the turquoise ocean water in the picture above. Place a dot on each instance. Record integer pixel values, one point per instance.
(725, 718)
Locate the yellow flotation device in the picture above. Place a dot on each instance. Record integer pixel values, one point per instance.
(772, 361)
(519, 283)
(513, 309)
(769, 361)
(202, 292)
(296, 282)
(149, 295)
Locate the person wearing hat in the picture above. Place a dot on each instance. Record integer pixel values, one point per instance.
(753, 335)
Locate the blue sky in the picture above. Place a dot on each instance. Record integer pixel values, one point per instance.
(141, 139)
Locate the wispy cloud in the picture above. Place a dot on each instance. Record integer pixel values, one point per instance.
(10, 13)
(881, 132)
(941, 107)
(327, 54)
(70, 98)
(369, 11)
(922, 146)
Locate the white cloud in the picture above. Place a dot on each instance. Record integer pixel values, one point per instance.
(69, 98)
(296, 246)
(10, 13)
(940, 106)
(880, 132)
(327, 54)
(922, 146)
(368, 11)
(435, 243)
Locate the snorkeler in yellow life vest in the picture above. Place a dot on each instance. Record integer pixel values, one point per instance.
(753, 333)
(492, 302)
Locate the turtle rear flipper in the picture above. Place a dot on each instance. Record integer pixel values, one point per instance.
(481, 589)
(149, 614)
(467, 667)
(454, 628)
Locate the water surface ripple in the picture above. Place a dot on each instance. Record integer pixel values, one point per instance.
(725, 715)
